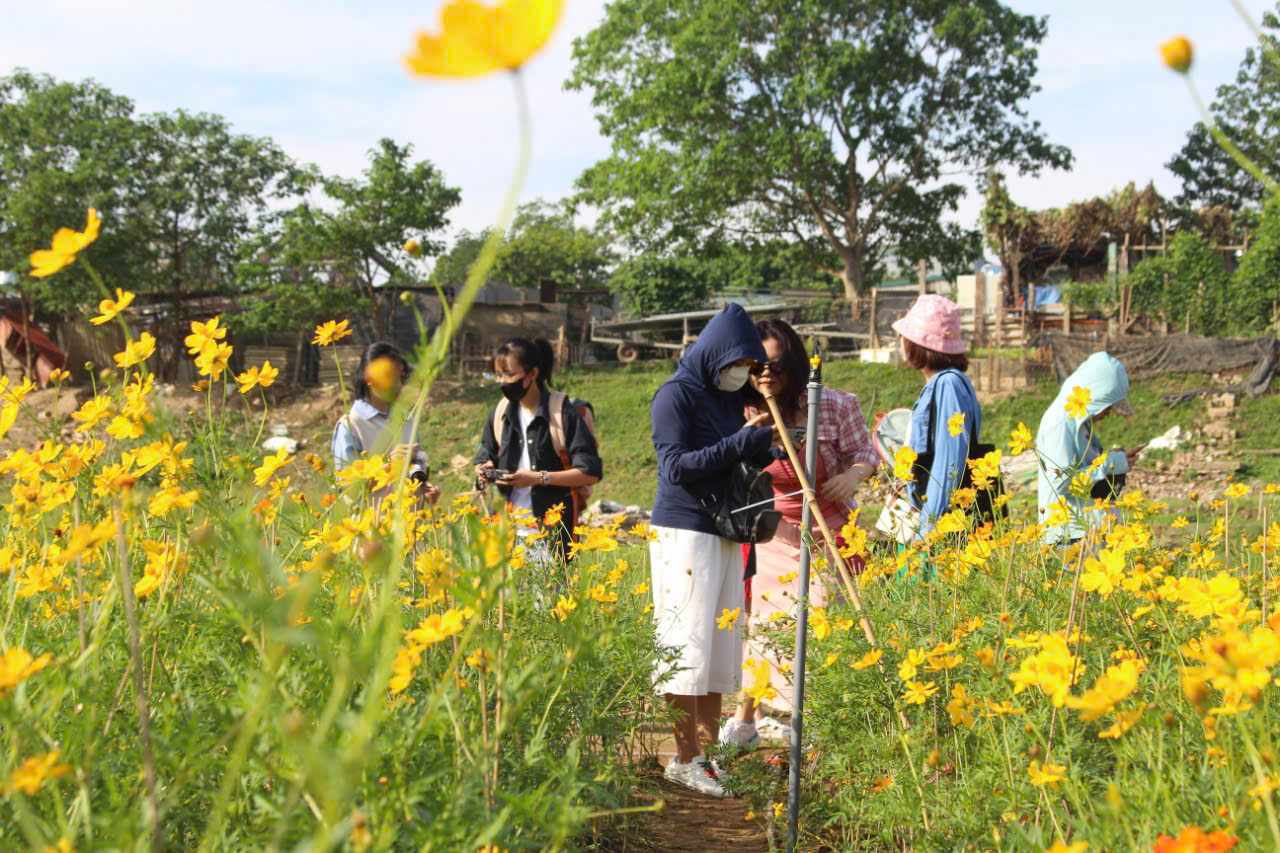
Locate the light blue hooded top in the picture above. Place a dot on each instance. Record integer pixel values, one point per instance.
(1067, 445)
(946, 392)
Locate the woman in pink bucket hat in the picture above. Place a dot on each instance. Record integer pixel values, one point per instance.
(931, 342)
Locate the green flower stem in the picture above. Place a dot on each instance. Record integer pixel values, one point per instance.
(1242, 159)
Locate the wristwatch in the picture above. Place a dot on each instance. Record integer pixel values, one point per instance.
(544, 477)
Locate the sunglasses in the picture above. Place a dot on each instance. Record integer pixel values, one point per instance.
(759, 369)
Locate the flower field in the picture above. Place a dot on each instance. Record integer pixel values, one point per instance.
(208, 647)
(1120, 696)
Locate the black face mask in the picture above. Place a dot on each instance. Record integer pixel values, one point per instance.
(513, 391)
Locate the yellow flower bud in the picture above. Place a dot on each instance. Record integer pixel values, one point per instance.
(1178, 54)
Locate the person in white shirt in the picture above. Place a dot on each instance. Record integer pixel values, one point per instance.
(380, 376)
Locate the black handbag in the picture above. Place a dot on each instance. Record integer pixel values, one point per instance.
(742, 505)
(984, 507)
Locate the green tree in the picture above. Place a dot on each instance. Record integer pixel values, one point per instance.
(824, 120)
(653, 283)
(179, 193)
(205, 193)
(65, 147)
(1187, 287)
(1247, 110)
(1255, 287)
(546, 247)
(450, 269)
(355, 248)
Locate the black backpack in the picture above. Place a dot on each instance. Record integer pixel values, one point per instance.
(745, 486)
(984, 508)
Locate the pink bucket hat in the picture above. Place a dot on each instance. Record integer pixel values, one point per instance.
(933, 323)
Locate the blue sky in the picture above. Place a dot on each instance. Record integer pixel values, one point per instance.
(324, 78)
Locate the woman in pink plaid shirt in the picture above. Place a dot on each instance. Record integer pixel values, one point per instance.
(846, 457)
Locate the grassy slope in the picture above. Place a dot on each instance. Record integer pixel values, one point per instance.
(621, 398)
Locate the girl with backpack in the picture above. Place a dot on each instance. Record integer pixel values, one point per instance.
(537, 446)
(379, 378)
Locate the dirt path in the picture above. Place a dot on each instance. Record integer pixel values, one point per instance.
(690, 822)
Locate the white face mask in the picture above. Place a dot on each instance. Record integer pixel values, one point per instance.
(733, 378)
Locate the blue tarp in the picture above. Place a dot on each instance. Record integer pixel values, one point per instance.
(1046, 294)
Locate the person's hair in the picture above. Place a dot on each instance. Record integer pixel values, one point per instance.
(373, 352)
(922, 357)
(795, 365)
(530, 354)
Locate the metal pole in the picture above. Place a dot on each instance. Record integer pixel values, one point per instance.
(802, 618)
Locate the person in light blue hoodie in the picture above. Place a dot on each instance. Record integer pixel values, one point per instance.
(1068, 446)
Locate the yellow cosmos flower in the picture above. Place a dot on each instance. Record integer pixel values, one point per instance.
(1061, 846)
(256, 377)
(66, 245)
(868, 660)
(331, 332)
(476, 39)
(564, 607)
(29, 776)
(1178, 54)
(918, 692)
(136, 352)
(109, 309)
(903, 459)
(8, 417)
(1020, 439)
(728, 618)
(270, 465)
(17, 665)
(204, 336)
(1046, 774)
(1077, 404)
(214, 360)
(955, 424)
(1237, 490)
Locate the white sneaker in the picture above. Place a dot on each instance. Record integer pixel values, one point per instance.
(739, 733)
(696, 775)
(770, 729)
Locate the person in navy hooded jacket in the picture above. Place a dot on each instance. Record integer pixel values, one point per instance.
(699, 434)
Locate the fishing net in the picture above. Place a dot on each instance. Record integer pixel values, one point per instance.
(1143, 356)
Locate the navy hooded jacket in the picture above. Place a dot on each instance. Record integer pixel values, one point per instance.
(698, 430)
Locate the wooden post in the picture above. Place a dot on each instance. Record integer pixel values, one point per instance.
(1066, 317)
(980, 309)
(875, 334)
(922, 276)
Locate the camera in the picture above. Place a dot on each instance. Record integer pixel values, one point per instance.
(418, 472)
(493, 475)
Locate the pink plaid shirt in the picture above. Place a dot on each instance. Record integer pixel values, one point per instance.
(843, 438)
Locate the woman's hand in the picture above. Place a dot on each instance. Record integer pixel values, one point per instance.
(481, 482)
(842, 487)
(429, 493)
(764, 419)
(400, 451)
(524, 478)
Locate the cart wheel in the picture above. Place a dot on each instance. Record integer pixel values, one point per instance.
(627, 353)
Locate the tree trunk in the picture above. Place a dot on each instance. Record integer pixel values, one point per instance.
(853, 278)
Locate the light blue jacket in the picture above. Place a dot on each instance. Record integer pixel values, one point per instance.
(950, 391)
(358, 432)
(1066, 445)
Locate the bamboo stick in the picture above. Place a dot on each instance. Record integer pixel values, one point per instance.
(846, 577)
